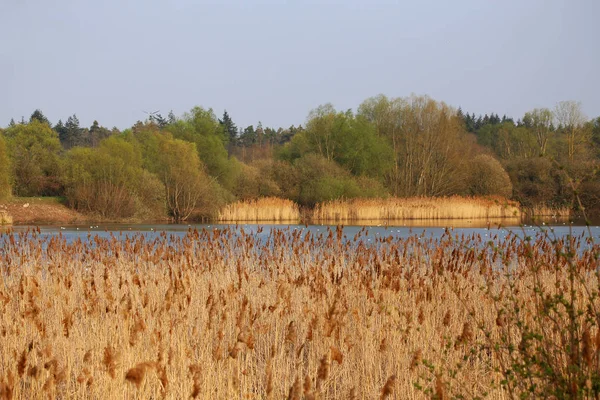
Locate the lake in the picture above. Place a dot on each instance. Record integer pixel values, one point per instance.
(369, 233)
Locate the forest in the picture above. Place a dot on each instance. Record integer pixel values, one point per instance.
(188, 167)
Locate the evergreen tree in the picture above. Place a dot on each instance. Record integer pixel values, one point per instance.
(229, 126)
(171, 118)
(11, 123)
(248, 137)
(61, 131)
(72, 134)
(96, 134)
(39, 116)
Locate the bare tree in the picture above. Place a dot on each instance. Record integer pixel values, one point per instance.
(571, 121)
(539, 121)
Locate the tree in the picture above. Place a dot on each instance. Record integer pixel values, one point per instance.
(428, 141)
(344, 138)
(248, 136)
(37, 115)
(229, 127)
(5, 170)
(34, 149)
(387, 116)
(201, 127)
(540, 122)
(571, 121)
(97, 133)
(186, 183)
(72, 134)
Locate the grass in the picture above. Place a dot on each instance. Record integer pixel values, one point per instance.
(221, 314)
(271, 209)
(402, 209)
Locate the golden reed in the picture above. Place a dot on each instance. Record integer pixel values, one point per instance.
(266, 209)
(416, 208)
(223, 314)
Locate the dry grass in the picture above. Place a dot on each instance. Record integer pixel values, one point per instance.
(266, 209)
(5, 218)
(543, 211)
(223, 314)
(403, 209)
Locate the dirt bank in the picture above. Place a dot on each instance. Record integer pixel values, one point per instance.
(40, 210)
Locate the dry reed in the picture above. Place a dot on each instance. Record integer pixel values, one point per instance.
(5, 218)
(266, 209)
(415, 208)
(226, 314)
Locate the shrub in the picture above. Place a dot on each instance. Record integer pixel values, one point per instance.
(488, 177)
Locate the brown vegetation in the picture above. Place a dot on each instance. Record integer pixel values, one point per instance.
(415, 208)
(270, 209)
(5, 218)
(35, 210)
(223, 314)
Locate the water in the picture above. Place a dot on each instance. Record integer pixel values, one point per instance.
(151, 231)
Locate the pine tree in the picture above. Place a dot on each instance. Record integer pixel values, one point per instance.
(39, 115)
(61, 131)
(230, 128)
(11, 123)
(73, 134)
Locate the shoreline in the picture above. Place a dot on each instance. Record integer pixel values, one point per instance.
(368, 212)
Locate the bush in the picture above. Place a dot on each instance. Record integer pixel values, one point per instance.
(488, 177)
(110, 182)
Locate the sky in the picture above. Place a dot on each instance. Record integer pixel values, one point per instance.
(274, 61)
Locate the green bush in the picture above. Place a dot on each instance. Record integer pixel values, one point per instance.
(109, 181)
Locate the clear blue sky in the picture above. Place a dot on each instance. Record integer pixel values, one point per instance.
(276, 60)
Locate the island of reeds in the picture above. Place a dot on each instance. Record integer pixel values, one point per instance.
(222, 314)
(339, 166)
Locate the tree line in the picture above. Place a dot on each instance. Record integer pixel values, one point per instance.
(187, 167)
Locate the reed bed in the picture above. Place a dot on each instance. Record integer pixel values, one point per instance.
(223, 314)
(5, 218)
(554, 212)
(266, 209)
(416, 208)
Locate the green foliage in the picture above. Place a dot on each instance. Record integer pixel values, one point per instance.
(319, 179)
(350, 141)
(185, 182)
(5, 170)
(411, 146)
(34, 150)
(109, 181)
(201, 127)
(256, 180)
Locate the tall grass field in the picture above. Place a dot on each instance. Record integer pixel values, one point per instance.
(223, 314)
